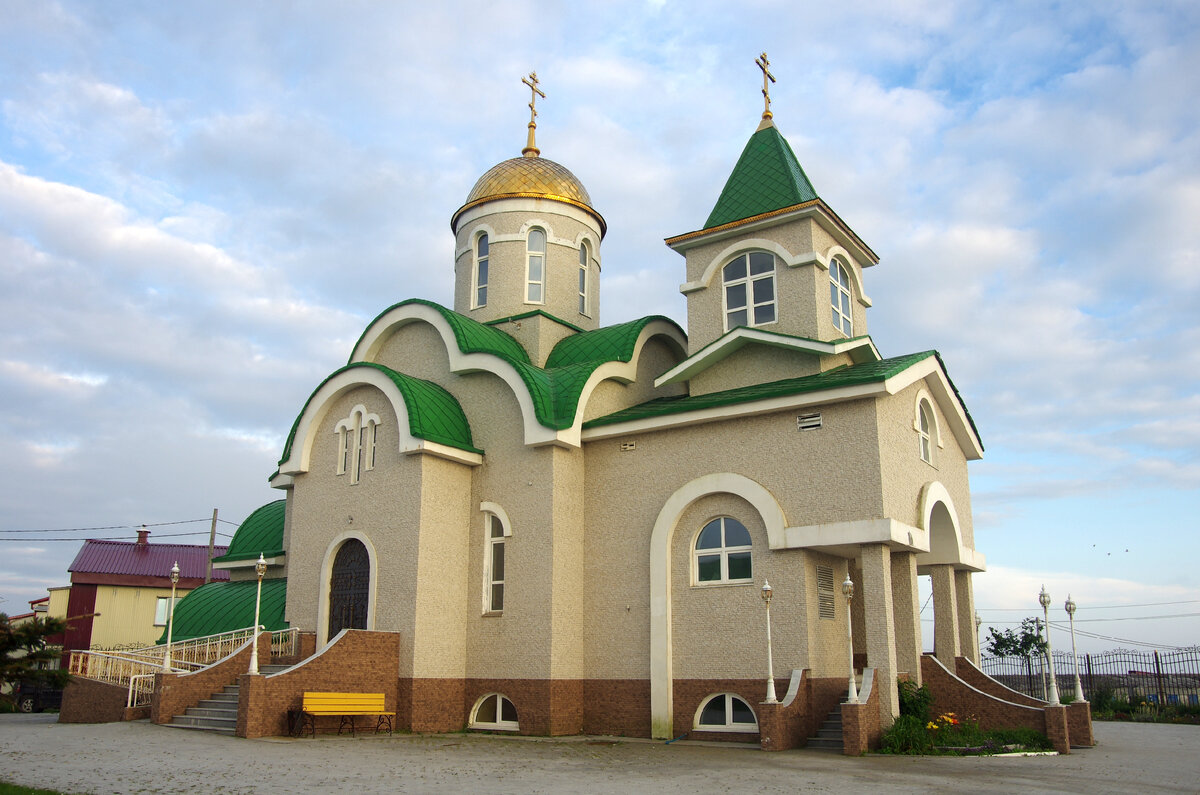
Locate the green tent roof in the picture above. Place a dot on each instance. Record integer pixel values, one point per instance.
(433, 413)
(846, 375)
(261, 533)
(217, 607)
(767, 177)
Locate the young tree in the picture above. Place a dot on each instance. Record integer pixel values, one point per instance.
(24, 653)
(1025, 642)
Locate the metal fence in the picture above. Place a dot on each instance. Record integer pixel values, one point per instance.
(1137, 676)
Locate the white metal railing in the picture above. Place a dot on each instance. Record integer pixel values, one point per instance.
(141, 688)
(285, 642)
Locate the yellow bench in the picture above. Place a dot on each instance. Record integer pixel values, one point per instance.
(346, 706)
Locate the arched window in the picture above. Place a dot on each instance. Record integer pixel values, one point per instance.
(535, 277)
(356, 442)
(584, 257)
(839, 297)
(481, 270)
(722, 553)
(349, 587)
(725, 712)
(749, 282)
(924, 426)
(494, 712)
(495, 532)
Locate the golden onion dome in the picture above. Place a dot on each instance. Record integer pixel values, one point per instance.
(530, 177)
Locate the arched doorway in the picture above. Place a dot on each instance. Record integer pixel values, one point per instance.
(349, 588)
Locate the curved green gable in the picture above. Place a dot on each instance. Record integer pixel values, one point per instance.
(470, 335)
(433, 413)
(767, 177)
(261, 533)
(217, 607)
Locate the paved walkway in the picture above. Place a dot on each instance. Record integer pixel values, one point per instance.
(35, 750)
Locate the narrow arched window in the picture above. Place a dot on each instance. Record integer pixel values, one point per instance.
(839, 297)
(356, 443)
(722, 553)
(583, 278)
(495, 564)
(924, 429)
(749, 285)
(481, 271)
(535, 277)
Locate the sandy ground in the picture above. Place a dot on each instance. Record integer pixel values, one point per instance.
(35, 750)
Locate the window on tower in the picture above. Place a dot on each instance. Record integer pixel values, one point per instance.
(481, 270)
(535, 277)
(584, 256)
(839, 297)
(749, 284)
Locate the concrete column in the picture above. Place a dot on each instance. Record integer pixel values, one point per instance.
(965, 597)
(880, 626)
(906, 610)
(946, 638)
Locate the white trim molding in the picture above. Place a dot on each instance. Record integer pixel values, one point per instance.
(939, 551)
(661, 673)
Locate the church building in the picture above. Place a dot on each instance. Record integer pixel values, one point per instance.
(569, 525)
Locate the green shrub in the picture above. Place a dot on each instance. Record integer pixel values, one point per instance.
(915, 701)
(907, 735)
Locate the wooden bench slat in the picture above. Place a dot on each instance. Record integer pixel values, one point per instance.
(345, 705)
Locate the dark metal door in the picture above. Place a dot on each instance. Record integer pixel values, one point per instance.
(349, 586)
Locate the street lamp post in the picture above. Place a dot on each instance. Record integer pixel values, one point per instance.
(171, 617)
(1044, 598)
(848, 592)
(978, 642)
(1070, 608)
(766, 596)
(260, 568)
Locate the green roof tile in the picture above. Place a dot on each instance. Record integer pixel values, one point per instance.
(262, 532)
(217, 607)
(433, 413)
(847, 375)
(471, 335)
(609, 344)
(767, 177)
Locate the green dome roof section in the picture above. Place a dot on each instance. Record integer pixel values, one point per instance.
(217, 607)
(767, 177)
(433, 413)
(609, 344)
(470, 335)
(261, 533)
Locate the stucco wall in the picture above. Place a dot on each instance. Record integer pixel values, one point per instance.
(755, 364)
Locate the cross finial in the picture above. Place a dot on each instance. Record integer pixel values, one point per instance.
(531, 149)
(764, 64)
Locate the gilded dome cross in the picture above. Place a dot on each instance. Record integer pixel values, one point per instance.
(531, 149)
(763, 64)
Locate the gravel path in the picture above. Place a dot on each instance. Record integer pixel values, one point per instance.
(35, 750)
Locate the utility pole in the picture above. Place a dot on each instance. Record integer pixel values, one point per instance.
(212, 537)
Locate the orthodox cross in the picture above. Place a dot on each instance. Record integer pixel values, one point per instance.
(763, 64)
(531, 149)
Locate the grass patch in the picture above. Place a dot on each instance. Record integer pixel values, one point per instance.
(17, 789)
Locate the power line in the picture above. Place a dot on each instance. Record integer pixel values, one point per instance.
(1090, 607)
(122, 526)
(40, 539)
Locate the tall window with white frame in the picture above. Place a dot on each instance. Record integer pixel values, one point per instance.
(839, 297)
(584, 256)
(495, 568)
(481, 270)
(356, 443)
(722, 553)
(535, 277)
(749, 285)
(924, 432)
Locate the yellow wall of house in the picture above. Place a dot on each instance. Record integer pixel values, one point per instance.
(125, 616)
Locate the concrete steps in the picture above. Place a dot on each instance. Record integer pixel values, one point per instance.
(218, 712)
(829, 736)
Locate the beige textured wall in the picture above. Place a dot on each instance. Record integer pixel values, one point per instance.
(829, 653)
(507, 261)
(656, 358)
(720, 631)
(797, 467)
(904, 473)
(755, 364)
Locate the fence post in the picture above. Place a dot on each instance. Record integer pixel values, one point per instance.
(1158, 681)
(1091, 687)
(1029, 676)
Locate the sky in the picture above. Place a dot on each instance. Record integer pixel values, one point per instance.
(203, 204)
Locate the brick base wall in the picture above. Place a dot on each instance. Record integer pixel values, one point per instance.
(860, 723)
(619, 707)
(90, 701)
